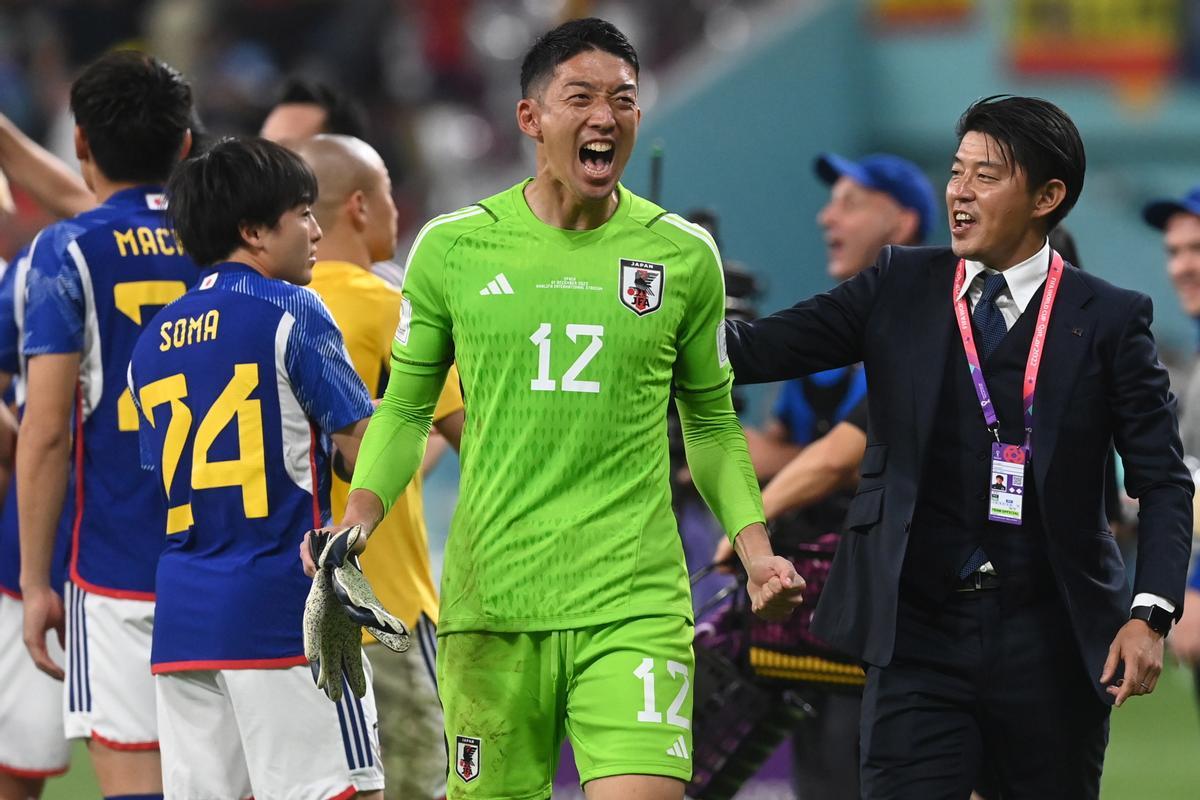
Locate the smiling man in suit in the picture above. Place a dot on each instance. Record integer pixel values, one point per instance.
(994, 615)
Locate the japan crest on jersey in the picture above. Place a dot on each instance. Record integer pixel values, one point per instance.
(467, 763)
(641, 286)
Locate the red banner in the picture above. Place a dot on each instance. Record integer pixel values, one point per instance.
(919, 13)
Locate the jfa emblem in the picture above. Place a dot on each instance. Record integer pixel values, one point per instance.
(641, 286)
(467, 763)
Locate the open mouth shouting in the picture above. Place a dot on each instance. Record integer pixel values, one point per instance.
(597, 159)
(961, 223)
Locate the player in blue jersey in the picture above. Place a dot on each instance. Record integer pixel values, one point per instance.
(33, 746)
(245, 386)
(93, 281)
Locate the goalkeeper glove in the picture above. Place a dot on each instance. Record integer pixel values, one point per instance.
(339, 602)
(334, 553)
(332, 641)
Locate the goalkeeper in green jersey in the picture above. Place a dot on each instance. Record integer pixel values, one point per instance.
(572, 308)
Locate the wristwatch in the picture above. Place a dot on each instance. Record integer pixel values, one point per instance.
(1159, 619)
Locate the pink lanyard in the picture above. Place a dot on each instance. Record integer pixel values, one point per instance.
(963, 316)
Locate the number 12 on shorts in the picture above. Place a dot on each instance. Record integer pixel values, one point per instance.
(650, 713)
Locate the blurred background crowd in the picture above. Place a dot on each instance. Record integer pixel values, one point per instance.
(434, 78)
(742, 94)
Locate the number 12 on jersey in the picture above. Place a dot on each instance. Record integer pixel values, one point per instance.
(570, 379)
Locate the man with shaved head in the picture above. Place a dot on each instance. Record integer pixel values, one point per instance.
(356, 213)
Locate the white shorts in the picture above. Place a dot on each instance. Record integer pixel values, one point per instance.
(108, 694)
(270, 733)
(32, 744)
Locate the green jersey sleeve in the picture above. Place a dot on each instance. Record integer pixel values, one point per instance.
(394, 444)
(423, 343)
(702, 366)
(422, 351)
(716, 452)
(714, 442)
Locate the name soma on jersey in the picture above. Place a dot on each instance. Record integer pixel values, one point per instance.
(143, 241)
(181, 332)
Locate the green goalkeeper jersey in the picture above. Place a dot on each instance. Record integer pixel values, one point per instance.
(569, 344)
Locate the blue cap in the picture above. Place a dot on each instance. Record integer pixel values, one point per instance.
(1157, 213)
(897, 177)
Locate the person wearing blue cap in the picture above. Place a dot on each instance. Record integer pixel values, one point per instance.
(815, 441)
(1179, 221)
(878, 200)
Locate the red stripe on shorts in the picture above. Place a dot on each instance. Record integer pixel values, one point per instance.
(111, 745)
(246, 663)
(33, 773)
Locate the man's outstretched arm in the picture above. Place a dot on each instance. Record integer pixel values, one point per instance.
(54, 185)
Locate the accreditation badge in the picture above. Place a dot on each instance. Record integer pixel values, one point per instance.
(1007, 486)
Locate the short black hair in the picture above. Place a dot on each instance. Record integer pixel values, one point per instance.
(1035, 135)
(569, 40)
(135, 111)
(237, 181)
(342, 114)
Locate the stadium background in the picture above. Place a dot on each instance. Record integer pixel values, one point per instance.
(740, 94)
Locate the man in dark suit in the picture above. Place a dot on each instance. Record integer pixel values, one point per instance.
(994, 624)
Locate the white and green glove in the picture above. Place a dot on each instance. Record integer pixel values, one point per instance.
(339, 604)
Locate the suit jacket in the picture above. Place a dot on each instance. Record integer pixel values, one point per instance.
(1100, 381)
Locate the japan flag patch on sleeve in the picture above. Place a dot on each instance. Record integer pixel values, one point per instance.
(467, 758)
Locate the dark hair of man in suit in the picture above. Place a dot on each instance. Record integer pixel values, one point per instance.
(567, 41)
(1036, 136)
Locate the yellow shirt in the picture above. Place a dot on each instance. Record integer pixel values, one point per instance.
(367, 309)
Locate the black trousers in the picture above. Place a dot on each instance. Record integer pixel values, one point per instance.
(982, 676)
(825, 754)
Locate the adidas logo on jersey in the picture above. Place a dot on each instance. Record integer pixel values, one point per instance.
(679, 749)
(497, 285)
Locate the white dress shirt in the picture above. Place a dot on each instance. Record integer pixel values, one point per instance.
(1023, 281)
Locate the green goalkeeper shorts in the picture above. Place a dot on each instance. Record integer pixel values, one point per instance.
(622, 693)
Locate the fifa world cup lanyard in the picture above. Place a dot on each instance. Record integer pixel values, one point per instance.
(1007, 479)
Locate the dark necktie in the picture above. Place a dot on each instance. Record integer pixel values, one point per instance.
(989, 322)
(989, 330)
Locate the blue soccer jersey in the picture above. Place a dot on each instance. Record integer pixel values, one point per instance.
(240, 383)
(10, 363)
(93, 282)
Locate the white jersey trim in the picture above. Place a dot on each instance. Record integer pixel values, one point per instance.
(20, 281)
(295, 428)
(454, 216)
(91, 367)
(702, 235)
